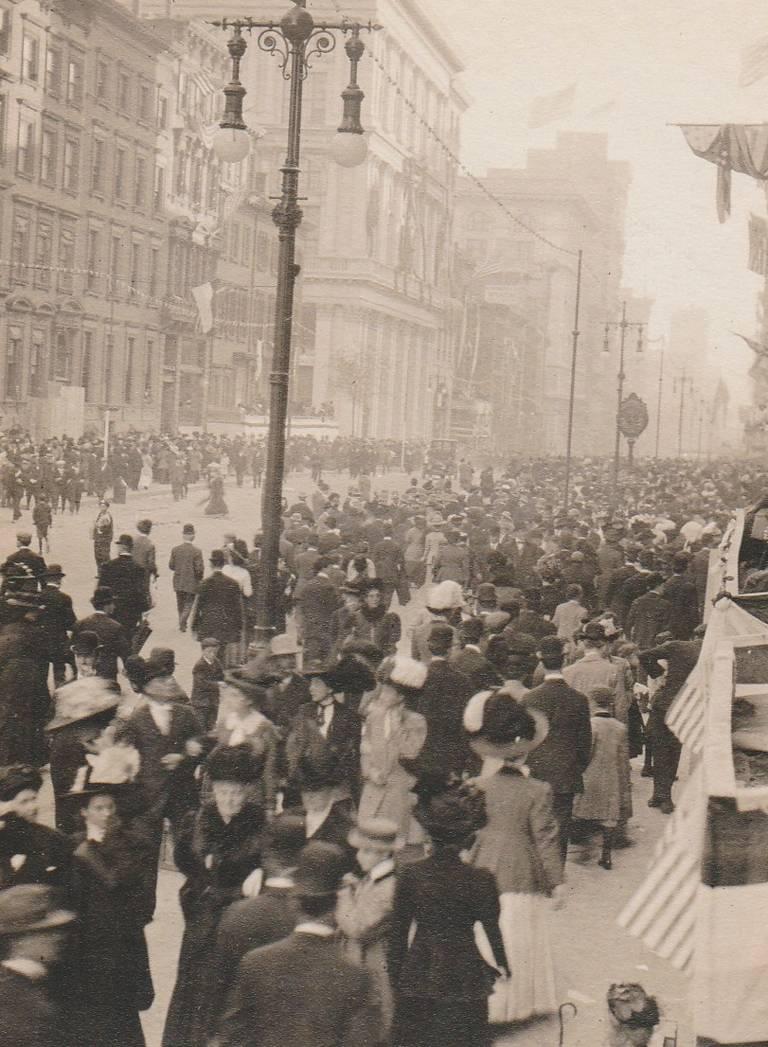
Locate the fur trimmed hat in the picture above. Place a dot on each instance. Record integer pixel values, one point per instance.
(233, 763)
(401, 671)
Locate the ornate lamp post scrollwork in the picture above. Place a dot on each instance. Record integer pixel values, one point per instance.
(295, 40)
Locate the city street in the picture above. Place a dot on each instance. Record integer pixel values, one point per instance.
(590, 950)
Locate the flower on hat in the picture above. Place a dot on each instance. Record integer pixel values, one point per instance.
(114, 765)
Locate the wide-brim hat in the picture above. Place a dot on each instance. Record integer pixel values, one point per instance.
(234, 763)
(282, 646)
(379, 833)
(494, 720)
(83, 698)
(54, 570)
(18, 778)
(250, 685)
(319, 771)
(86, 642)
(348, 674)
(29, 909)
(163, 689)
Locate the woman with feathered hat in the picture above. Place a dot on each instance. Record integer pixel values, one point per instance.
(519, 846)
(441, 981)
(392, 731)
(217, 849)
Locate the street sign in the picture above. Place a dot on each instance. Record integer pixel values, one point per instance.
(633, 417)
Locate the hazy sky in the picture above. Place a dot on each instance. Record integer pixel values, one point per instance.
(659, 61)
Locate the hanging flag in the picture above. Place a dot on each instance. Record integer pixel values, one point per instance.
(551, 108)
(754, 63)
(733, 147)
(758, 244)
(203, 296)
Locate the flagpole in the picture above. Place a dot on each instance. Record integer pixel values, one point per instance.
(572, 396)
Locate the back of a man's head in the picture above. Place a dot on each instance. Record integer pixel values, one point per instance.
(440, 639)
(551, 652)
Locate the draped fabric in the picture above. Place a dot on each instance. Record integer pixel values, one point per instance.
(733, 147)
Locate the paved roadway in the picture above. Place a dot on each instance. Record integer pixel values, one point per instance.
(591, 951)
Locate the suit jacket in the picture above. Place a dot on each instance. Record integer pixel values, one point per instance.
(57, 620)
(186, 562)
(342, 741)
(452, 564)
(318, 599)
(683, 596)
(144, 555)
(112, 637)
(128, 584)
(249, 924)
(170, 792)
(648, 616)
(443, 700)
(388, 558)
(27, 1016)
(564, 755)
(218, 611)
(476, 667)
(298, 992)
(204, 699)
(27, 558)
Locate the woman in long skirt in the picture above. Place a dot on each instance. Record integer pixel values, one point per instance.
(519, 845)
(215, 504)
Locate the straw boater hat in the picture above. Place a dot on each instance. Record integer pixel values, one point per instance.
(30, 908)
(499, 726)
(378, 833)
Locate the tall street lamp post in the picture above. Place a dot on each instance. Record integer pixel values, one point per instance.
(295, 40)
(623, 326)
(682, 384)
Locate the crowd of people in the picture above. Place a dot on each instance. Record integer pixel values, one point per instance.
(370, 771)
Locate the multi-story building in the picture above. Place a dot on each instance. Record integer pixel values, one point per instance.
(514, 346)
(85, 261)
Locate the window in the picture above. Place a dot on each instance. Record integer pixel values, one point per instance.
(196, 191)
(149, 368)
(181, 174)
(30, 58)
(20, 247)
(97, 166)
(13, 362)
(130, 349)
(5, 31)
(109, 364)
(135, 268)
(158, 191)
(53, 69)
(71, 164)
(145, 102)
(154, 268)
(62, 357)
(102, 81)
(86, 366)
(66, 259)
(123, 92)
(75, 82)
(25, 154)
(162, 113)
(48, 150)
(234, 242)
(37, 383)
(114, 264)
(119, 173)
(92, 277)
(140, 182)
(43, 254)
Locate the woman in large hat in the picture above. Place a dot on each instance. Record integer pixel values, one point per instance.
(373, 622)
(441, 981)
(110, 978)
(243, 699)
(519, 845)
(392, 731)
(84, 709)
(218, 848)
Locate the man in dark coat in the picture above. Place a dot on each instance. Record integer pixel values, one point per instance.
(25, 556)
(302, 990)
(127, 581)
(388, 560)
(186, 564)
(32, 934)
(649, 614)
(269, 917)
(207, 674)
(57, 621)
(317, 602)
(443, 699)
(113, 640)
(681, 593)
(564, 755)
(470, 660)
(218, 610)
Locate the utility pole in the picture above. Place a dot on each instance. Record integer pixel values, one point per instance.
(572, 396)
(682, 384)
(659, 397)
(623, 325)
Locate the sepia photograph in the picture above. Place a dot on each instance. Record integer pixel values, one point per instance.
(383, 523)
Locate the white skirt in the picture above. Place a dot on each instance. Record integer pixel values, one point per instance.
(530, 991)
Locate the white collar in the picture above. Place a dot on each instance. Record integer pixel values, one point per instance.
(28, 968)
(94, 834)
(472, 647)
(554, 675)
(322, 930)
(278, 881)
(384, 868)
